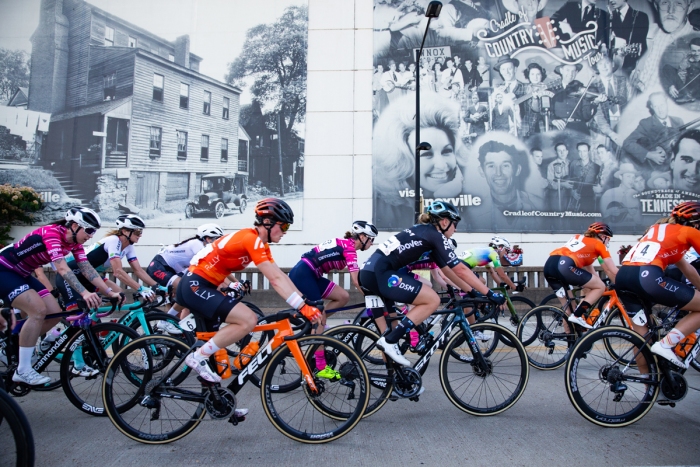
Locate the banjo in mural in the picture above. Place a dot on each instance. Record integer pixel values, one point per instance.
(582, 110)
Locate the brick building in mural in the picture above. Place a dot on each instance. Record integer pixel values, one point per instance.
(133, 121)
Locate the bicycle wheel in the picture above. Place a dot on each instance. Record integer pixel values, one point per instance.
(550, 300)
(140, 411)
(380, 380)
(543, 333)
(487, 388)
(598, 385)
(320, 417)
(16, 439)
(86, 392)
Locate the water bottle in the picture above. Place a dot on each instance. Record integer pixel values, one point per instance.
(50, 338)
(682, 349)
(246, 354)
(223, 366)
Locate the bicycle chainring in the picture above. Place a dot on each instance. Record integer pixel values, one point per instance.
(680, 391)
(408, 383)
(221, 407)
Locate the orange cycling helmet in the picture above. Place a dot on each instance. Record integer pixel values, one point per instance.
(687, 212)
(601, 229)
(275, 209)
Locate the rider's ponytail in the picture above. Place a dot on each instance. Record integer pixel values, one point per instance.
(425, 218)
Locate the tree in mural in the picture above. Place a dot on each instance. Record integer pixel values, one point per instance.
(274, 56)
(14, 71)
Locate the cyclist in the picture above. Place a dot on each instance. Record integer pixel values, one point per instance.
(19, 289)
(382, 274)
(171, 262)
(572, 264)
(491, 258)
(642, 273)
(210, 267)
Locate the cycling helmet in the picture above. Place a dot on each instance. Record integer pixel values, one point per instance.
(443, 210)
(499, 242)
(601, 229)
(84, 217)
(362, 227)
(687, 212)
(131, 222)
(275, 209)
(209, 230)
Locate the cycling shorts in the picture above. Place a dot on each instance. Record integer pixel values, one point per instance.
(204, 300)
(308, 283)
(160, 272)
(650, 283)
(12, 285)
(561, 271)
(399, 286)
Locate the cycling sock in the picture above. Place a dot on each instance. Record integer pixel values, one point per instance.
(404, 326)
(208, 349)
(172, 311)
(672, 338)
(320, 359)
(25, 359)
(581, 309)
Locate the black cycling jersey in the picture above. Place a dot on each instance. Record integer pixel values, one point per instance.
(411, 244)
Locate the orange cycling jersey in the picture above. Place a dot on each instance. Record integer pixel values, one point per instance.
(232, 252)
(583, 250)
(662, 245)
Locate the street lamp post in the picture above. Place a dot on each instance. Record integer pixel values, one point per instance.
(432, 11)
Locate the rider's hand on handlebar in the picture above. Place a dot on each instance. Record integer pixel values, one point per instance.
(311, 313)
(92, 299)
(473, 293)
(147, 293)
(119, 296)
(495, 297)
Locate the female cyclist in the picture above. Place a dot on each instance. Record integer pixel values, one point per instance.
(171, 262)
(332, 255)
(19, 289)
(382, 274)
(210, 267)
(572, 264)
(642, 272)
(491, 258)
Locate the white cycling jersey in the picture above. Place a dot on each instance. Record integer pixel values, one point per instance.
(178, 257)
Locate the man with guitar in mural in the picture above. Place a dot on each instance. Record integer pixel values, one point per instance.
(649, 145)
(389, 80)
(475, 116)
(584, 173)
(685, 80)
(628, 34)
(511, 89)
(613, 92)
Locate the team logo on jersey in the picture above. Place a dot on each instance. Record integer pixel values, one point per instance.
(394, 281)
(194, 285)
(19, 290)
(666, 285)
(576, 271)
(645, 273)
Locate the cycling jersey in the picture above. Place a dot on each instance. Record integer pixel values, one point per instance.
(103, 252)
(481, 257)
(332, 255)
(178, 257)
(232, 252)
(662, 245)
(583, 250)
(409, 245)
(423, 263)
(38, 248)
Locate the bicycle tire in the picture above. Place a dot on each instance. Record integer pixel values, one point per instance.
(12, 417)
(535, 331)
(86, 393)
(380, 379)
(510, 321)
(510, 385)
(123, 400)
(550, 300)
(316, 416)
(588, 369)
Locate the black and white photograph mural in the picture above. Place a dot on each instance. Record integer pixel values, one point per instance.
(180, 111)
(541, 115)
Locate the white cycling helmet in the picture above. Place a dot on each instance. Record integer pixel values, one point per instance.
(362, 227)
(500, 242)
(84, 217)
(209, 230)
(131, 222)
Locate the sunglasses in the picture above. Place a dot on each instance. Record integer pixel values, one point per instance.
(138, 233)
(90, 230)
(284, 226)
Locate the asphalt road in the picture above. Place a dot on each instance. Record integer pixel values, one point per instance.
(543, 428)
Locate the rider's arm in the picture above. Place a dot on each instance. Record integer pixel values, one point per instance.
(140, 273)
(494, 275)
(91, 275)
(437, 276)
(689, 272)
(230, 279)
(121, 274)
(41, 276)
(502, 273)
(355, 282)
(68, 276)
(610, 268)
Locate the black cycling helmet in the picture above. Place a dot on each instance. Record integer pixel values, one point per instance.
(601, 228)
(687, 212)
(443, 210)
(275, 209)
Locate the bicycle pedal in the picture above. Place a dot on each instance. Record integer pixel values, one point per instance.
(235, 420)
(414, 398)
(666, 403)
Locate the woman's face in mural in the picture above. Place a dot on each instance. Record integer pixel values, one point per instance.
(535, 76)
(438, 165)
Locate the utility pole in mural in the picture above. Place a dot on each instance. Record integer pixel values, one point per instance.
(542, 115)
(114, 116)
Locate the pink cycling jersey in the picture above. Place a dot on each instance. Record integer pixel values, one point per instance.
(38, 248)
(332, 255)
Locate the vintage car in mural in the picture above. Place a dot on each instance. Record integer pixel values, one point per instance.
(221, 193)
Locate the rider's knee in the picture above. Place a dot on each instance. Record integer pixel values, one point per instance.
(343, 297)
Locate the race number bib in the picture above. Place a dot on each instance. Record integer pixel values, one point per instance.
(188, 324)
(389, 246)
(575, 244)
(561, 293)
(327, 245)
(640, 319)
(373, 301)
(644, 252)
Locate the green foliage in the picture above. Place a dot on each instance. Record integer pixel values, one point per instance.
(274, 57)
(14, 71)
(16, 205)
